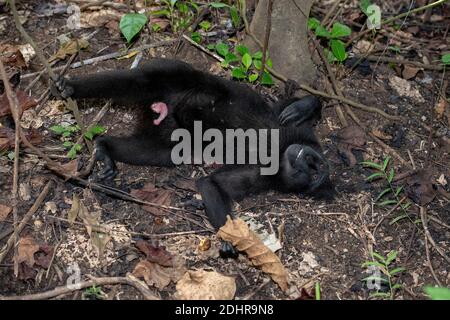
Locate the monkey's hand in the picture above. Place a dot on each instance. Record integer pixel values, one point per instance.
(306, 109)
(228, 251)
(101, 154)
(60, 88)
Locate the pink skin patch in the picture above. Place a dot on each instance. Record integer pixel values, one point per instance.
(161, 109)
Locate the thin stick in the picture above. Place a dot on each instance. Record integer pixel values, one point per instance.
(423, 217)
(9, 244)
(15, 111)
(128, 280)
(266, 36)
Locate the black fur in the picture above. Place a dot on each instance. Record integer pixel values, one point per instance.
(218, 103)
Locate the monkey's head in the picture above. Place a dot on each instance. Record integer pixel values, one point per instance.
(305, 170)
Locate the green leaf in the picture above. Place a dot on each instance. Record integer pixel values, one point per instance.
(231, 57)
(373, 263)
(396, 286)
(313, 23)
(131, 24)
(241, 49)
(396, 49)
(235, 18)
(196, 37)
(73, 151)
(330, 56)
(258, 55)
(399, 189)
(247, 61)
(89, 135)
(397, 219)
(66, 134)
(372, 165)
(437, 293)
(239, 73)
(364, 4)
(379, 257)
(267, 79)
(224, 64)
(317, 290)
(391, 175)
(58, 129)
(218, 5)
(386, 162)
(205, 25)
(338, 49)
(222, 49)
(340, 30)
(387, 202)
(257, 64)
(382, 193)
(210, 46)
(253, 77)
(446, 59)
(67, 144)
(406, 206)
(322, 32)
(391, 257)
(97, 129)
(374, 175)
(269, 63)
(396, 270)
(164, 12)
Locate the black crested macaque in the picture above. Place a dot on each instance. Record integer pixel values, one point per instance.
(172, 94)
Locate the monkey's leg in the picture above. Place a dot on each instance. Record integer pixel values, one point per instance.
(306, 109)
(135, 150)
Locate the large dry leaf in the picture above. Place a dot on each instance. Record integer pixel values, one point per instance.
(157, 275)
(26, 250)
(154, 254)
(69, 48)
(25, 102)
(31, 254)
(152, 194)
(4, 212)
(205, 285)
(98, 233)
(348, 139)
(421, 187)
(238, 233)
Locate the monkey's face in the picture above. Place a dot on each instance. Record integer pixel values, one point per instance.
(303, 169)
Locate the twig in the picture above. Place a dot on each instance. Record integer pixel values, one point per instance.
(15, 111)
(9, 244)
(128, 280)
(430, 266)
(202, 48)
(402, 61)
(423, 217)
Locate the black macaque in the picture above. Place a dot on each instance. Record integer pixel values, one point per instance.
(172, 94)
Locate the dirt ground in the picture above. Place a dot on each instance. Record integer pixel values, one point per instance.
(324, 242)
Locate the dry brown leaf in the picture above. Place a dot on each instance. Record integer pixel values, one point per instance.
(409, 72)
(442, 108)
(69, 48)
(348, 139)
(205, 285)
(157, 275)
(238, 233)
(154, 254)
(421, 187)
(4, 212)
(25, 102)
(11, 56)
(152, 194)
(99, 18)
(26, 250)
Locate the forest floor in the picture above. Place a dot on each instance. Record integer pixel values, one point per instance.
(322, 242)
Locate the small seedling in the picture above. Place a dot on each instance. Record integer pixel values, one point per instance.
(243, 64)
(338, 32)
(384, 265)
(180, 13)
(391, 194)
(93, 293)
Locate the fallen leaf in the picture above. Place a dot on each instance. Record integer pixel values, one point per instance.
(409, 72)
(421, 187)
(4, 212)
(157, 275)
(403, 88)
(69, 48)
(305, 295)
(157, 255)
(25, 102)
(348, 139)
(26, 249)
(238, 233)
(99, 18)
(11, 56)
(205, 285)
(442, 108)
(155, 195)
(7, 137)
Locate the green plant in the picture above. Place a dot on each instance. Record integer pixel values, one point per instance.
(335, 44)
(234, 13)
(243, 64)
(437, 293)
(317, 291)
(446, 59)
(131, 24)
(386, 267)
(66, 133)
(179, 13)
(390, 195)
(93, 293)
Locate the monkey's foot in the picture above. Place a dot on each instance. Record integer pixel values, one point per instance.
(306, 109)
(228, 251)
(101, 154)
(161, 109)
(60, 88)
